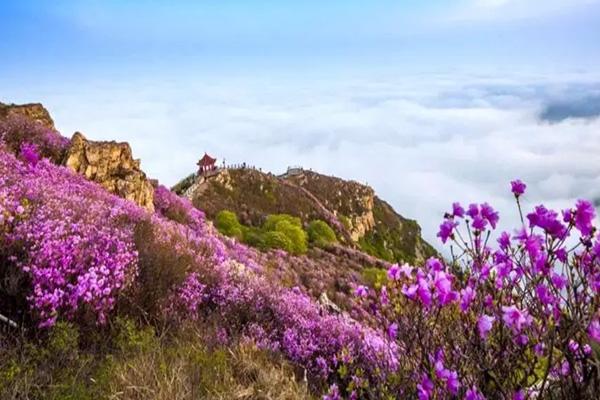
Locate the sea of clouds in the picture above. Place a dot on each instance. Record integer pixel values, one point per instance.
(422, 140)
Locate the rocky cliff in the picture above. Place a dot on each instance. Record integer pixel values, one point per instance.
(33, 111)
(111, 164)
(361, 220)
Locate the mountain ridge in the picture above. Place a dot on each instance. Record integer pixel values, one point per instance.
(360, 218)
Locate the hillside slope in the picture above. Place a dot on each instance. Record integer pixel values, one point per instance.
(103, 297)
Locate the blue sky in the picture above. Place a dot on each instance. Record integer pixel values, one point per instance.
(445, 99)
(76, 36)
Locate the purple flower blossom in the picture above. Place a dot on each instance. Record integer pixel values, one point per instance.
(443, 285)
(361, 291)
(479, 223)
(544, 295)
(446, 230)
(474, 394)
(504, 241)
(333, 394)
(458, 210)
(467, 295)
(393, 272)
(30, 153)
(484, 325)
(392, 330)
(584, 216)
(573, 346)
(594, 330)
(519, 395)
(515, 318)
(517, 187)
(425, 388)
(490, 214)
(473, 210)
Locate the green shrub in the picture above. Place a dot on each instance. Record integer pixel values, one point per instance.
(295, 234)
(253, 237)
(320, 234)
(227, 223)
(277, 240)
(273, 219)
(374, 277)
(130, 338)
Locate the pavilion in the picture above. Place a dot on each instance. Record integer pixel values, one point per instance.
(206, 164)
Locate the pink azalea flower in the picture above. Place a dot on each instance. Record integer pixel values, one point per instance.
(485, 324)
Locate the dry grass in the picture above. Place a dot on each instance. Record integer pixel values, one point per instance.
(137, 365)
(188, 371)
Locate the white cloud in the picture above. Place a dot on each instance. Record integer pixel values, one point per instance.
(500, 10)
(422, 141)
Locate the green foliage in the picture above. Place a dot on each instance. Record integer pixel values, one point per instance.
(227, 223)
(253, 237)
(295, 234)
(374, 277)
(345, 221)
(320, 234)
(63, 339)
(394, 239)
(129, 338)
(277, 240)
(272, 220)
(279, 231)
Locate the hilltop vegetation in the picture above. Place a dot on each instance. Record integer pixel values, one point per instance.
(358, 218)
(279, 231)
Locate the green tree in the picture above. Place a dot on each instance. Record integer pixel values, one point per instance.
(227, 223)
(320, 234)
(277, 240)
(295, 234)
(273, 219)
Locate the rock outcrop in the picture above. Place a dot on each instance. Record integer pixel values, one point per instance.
(33, 111)
(111, 164)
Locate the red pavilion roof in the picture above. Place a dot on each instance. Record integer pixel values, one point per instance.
(206, 160)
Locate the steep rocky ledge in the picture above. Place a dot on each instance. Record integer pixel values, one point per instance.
(110, 164)
(33, 111)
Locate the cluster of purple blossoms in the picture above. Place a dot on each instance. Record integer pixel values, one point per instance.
(72, 260)
(526, 313)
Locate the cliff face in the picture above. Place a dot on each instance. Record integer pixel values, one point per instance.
(110, 164)
(33, 111)
(351, 202)
(361, 219)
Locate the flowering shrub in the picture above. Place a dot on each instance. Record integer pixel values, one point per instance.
(17, 130)
(176, 208)
(49, 224)
(516, 320)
